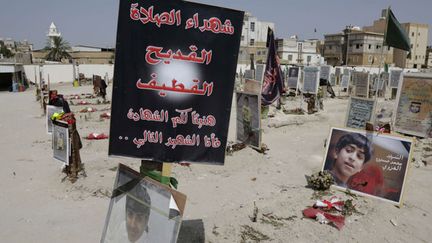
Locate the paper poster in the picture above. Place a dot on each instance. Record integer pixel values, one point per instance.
(345, 81)
(395, 77)
(293, 77)
(310, 80)
(414, 105)
(360, 111)
(361, 81)
(368, 163)
(248, 119)
(325, 72)
(259, 72)
(249, 74)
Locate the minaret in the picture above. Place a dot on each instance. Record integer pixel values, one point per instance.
(53, 32)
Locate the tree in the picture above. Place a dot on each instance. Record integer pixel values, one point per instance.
(58, 51)
(5, 51)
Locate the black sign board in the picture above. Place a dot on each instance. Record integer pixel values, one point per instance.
(173, 80)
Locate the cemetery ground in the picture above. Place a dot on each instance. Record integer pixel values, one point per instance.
(38, 204)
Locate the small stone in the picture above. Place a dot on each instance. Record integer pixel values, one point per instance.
(394, 223)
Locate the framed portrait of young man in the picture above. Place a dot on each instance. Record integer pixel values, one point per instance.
(248, 121)
(60, 141)
(142, 210)
(368, 163)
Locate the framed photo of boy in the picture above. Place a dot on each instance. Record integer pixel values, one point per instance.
(414, 105)
(142, 210)
(368, 163)
(60, 141)
(248, 122)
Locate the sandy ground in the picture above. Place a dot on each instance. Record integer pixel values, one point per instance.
(37, 205)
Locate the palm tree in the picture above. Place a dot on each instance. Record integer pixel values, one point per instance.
(58, 50)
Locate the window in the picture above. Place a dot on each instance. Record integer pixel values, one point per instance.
(370, 46)
(357, 46)
(378, 47)
(252, 42)
(309, 58)
(411, 45)
(330, 47)
(252, 26)
(412, 33)
(242, 38)
(290, 57)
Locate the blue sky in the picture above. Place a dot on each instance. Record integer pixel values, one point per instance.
(94, 22)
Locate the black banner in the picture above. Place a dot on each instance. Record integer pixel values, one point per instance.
(173, 80)
(273, 84)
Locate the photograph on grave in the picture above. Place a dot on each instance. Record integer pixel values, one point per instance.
(248, 119)
(394, 78)
(249, 74)
(368, 163)
(60, 141)
(359, 112)
(414, 106)
(361, 82)
(310, 80)
(142, 210)
(332, 79)
(325, 72)
(338, 74)
(293, 77)
(345, 80)
(259, 72)
(50, 110)
(179, 90)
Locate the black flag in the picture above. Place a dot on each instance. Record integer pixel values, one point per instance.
(273, 85)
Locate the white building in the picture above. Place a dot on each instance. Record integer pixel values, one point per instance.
(253, 39)
(300, 52)
(53, 32)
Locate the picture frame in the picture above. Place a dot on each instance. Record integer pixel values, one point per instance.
(248, 122)
(142, 210)
(310, 80)
(359, 112)
(413, 114)
(379, 165)
(60, 141)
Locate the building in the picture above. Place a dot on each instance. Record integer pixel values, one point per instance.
(253, 40)
(82, 55)
(418, 36)
(20, 50)
(52, 33)
(428, 62)
(298, 52)
(356, 47)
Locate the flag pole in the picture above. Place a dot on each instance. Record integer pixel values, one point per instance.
(381, 56)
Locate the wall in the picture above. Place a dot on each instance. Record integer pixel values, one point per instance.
(64, 72)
